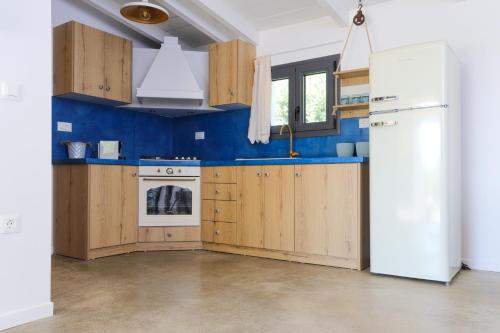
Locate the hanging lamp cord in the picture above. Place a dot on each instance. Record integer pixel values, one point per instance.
(358, 19)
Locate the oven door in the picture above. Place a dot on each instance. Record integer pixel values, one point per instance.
(169, 201)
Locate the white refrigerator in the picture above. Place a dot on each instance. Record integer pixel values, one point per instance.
(415, 181)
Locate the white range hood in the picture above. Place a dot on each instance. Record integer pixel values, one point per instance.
(169, 81)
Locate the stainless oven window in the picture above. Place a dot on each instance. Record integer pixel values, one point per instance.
(169, 200)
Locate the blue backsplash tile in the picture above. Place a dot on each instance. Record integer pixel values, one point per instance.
(140, 133)
(226, 138)
(146, 134)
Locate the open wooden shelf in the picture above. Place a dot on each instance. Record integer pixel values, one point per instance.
(353, 77)
(350, 107)
(359, 110)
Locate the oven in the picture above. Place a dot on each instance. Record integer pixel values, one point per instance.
(169, 196)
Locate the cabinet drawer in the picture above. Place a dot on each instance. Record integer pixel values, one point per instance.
(207, 210)
(225, 211)
(225, 175)
(151, 234)
(218, 191)
(182, 234)
(207, 231)
(225, 191)
(224, 233)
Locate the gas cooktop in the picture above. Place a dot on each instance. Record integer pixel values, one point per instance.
(169, 158)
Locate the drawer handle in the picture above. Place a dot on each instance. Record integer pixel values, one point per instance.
(266, 174)
(108, 88)
(217, 232)
(298, 174)
(384, 123)
(217, 174)
(101, 87)
(217, 210)
(169, 235)
(259, 174)
(217, 191)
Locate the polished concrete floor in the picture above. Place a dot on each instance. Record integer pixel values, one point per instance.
(197, 291)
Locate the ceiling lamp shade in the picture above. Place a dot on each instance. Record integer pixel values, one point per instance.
(144, 12)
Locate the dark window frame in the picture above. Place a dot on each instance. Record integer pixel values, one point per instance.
(296, 115)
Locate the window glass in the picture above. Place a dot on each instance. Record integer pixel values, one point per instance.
(279, 102)
(169, 200)
(315, 98)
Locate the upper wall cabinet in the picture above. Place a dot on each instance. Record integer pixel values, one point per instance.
(231, 74)
(92, 65)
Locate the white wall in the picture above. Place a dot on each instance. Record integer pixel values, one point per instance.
(75, 10)
(26, 170)
(473, 31)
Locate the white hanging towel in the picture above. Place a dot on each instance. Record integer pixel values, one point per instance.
(259, 127)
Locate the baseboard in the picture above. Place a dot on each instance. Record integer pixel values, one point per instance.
(482, 265)
(23, 316)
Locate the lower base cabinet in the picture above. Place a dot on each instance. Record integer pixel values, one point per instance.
(315, 213)
(95, 208)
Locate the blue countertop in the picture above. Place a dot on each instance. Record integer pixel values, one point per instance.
(286, 161)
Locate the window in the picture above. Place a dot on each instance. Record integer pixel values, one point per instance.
(302, 97)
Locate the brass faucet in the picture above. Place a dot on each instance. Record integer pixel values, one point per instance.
(292, 153)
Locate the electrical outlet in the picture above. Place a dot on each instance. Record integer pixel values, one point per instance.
(199, 135)
(64, 127)
(364, 122)
(10, 224)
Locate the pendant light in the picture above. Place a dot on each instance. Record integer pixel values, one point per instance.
(144, 12)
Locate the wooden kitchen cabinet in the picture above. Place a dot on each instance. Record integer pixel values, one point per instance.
(328, 210)
(265, 207)
(218, 206)
(90, 64)
(316, 213)
(95, 210)
(231, 73)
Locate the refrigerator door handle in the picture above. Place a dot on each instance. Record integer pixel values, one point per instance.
(384, 98)
(384, 123)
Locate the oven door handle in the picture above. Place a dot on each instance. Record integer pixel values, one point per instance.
(169, 178)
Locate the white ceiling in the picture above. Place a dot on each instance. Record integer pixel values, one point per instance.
(269, 14)
(198, 23)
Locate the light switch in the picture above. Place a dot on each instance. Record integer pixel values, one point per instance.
(10, 91)
(64, 127)
(364, 122)
(199, 135)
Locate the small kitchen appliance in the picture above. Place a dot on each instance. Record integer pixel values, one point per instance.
(109, 150)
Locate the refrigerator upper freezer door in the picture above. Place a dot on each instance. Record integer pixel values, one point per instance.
(408, 77)
(408, 194)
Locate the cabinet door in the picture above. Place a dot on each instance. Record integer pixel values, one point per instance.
(88, 58)
(118, 62)
(326, 214)
(278, 214)
(246, 68)
(130, 202)
(223, 73)
(105, 208)
(250, 229)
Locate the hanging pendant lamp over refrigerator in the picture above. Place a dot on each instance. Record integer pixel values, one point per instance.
(144, 12)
